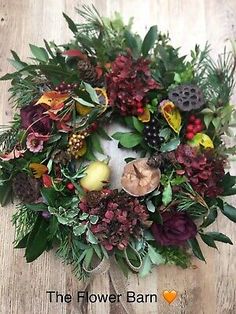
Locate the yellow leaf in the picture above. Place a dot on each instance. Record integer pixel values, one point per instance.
(145, 117)
(82, 110)
(172, 115)
(203, 140)
(38, 169)
(52, 98)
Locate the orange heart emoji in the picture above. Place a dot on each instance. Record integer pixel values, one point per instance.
(169, 296)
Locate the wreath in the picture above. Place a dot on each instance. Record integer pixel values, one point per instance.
(174, 112)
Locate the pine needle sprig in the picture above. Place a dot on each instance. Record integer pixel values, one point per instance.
(23, 220)
(8, 139)
(216, 78)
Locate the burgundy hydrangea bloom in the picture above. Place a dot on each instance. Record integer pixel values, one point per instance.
(176, 229)
(33, 119)
(203, 170)
(128, 84)
(120, 217)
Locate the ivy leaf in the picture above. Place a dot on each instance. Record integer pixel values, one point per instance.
(167, 194)
(193, 243)
(91, 237)
(39, 53)
(171, 145)
(229, 211)
(149, 40)
(220, 237)
(79, 229)
(208, 240)
(71, 24)
(38, 240)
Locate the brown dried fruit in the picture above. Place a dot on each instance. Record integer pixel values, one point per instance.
(139, 178)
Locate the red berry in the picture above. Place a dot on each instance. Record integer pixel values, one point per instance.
(198, 122)
(192, 118)
(198, 128)
(140, 111)
(189, 135)
(70, 186)
(190, 127)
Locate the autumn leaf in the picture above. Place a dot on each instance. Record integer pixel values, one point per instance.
(52, 99)
(172, 115)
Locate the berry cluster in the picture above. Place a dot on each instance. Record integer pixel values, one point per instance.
(64, 87)
(151, 134)
(194, 126)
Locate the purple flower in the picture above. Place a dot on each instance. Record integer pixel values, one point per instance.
(33, 119)
(176, 229)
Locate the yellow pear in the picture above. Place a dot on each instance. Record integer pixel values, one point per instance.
(97, 174)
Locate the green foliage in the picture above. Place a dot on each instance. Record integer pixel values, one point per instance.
(176, 256)
(149, 40)
(128, 140)
(193, 243)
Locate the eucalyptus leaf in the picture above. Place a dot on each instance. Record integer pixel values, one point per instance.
(39, 53)
(193, 243)
(155, 257)
(218, 236)
(229, 211)
(150, 206)
(146, 267)
(91, 237)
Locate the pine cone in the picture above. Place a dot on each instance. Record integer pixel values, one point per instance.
(60, 157)
(87, 72)
(187, 97)
(155, 161)
(26, 188)
(93, 198)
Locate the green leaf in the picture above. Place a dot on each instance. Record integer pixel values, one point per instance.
(207, 119)
(229, 211)
(15, 56)
(83, 102)
(155, 257)
(38, 240)
(210, 218)
(23, 242)
(5, 193)
(50, 195)
(38, 207)
(95, 141)
(150, 206)
(149, 40)
(53, 227)
(39, 53)
(208, 240)
(171, 145)
(78, 230)
(100, 131)
(18, 65)
(167, 194)
(91, 237)
(132, 43)
(88, 257)
(220, 237)
(146, 267)
(139, 126)
(193, 243)
(71, 24)
(128, 140)
(92, 93)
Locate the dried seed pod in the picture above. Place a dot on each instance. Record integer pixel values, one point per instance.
(187, 97)
(139, 178)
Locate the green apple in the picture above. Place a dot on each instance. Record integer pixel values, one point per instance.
(97, 174)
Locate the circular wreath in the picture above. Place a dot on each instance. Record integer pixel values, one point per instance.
(175, 112)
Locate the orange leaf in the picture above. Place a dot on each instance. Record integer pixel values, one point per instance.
(38, 169)
(52, 98)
